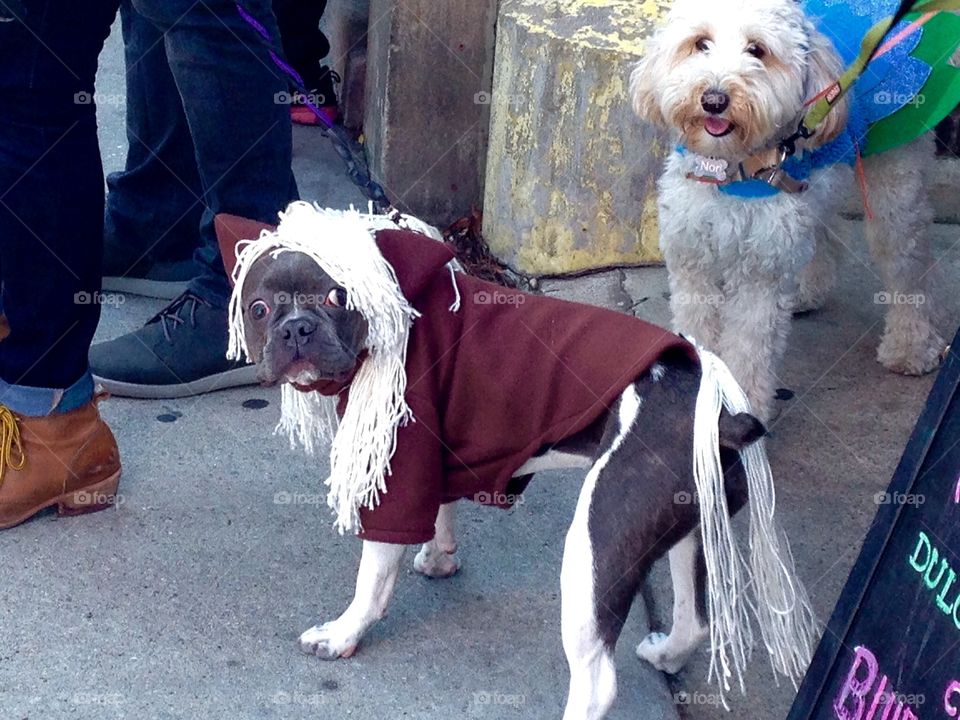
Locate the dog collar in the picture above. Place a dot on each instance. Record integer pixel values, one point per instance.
(759, 175)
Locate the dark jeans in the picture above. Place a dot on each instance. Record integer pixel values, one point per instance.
(205, 133)
(303, 43)
(51, 193)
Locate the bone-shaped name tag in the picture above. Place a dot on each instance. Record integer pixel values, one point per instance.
(712, 168)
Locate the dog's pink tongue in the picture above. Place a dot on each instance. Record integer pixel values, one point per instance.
(716, 125)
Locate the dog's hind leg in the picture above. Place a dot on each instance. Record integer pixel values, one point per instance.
(669, 653)
(590, 626)
(593, 676)
(436, 558)
(376, 579)
(898, 237)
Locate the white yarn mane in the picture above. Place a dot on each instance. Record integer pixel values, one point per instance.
(364, 439)
(764, 586)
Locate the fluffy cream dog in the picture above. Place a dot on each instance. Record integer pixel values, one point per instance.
(730, 79)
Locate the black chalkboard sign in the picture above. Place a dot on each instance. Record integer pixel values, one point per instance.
(891, 650)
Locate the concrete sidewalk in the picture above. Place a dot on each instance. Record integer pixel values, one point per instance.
(186, 600)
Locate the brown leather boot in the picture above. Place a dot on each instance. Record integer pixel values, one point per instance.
(69, 460)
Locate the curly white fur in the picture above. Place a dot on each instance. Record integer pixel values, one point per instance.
(739, 267)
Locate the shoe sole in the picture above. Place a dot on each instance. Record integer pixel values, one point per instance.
(91, 499)
(238, 377)
(162, 289)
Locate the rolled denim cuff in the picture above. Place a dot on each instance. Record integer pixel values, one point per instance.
(35, 402)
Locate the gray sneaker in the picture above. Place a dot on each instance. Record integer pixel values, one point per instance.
(180, 352)
(164, 280)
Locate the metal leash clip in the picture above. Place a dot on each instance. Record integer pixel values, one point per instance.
(777, 177)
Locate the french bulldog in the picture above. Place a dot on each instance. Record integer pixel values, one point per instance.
(637, 502)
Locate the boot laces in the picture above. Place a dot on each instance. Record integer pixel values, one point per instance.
(11, 445)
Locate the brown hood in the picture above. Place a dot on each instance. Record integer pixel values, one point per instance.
(230, 230)
(415, 258)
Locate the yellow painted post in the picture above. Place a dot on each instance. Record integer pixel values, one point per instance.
(571, 172)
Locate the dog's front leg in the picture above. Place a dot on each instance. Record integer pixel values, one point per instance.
(376, 579)
(756, 324)
(669, 653)
(695, 296)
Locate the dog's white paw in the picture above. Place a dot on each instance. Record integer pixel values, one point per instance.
(913, 350)
(434, 562)
(329, 641)
(655, 650)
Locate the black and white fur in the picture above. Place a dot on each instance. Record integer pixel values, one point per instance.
(639, 457)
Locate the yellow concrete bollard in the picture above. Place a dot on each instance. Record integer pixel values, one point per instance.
(571, 172)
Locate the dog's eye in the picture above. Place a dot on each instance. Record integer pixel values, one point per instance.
(703, 44)
(259, 309)
(337, 298)
(756, 50)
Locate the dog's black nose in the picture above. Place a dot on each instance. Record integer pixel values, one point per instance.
(299, 329)
(714, 101)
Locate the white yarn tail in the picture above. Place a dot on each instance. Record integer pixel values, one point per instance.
(765, 586)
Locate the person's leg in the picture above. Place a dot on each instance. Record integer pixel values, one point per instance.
(303, 44)
(53, 444)
(242, 139)
(155, 203)
(223, 69)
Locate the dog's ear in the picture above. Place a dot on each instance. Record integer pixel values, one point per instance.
(824, 66)
(644, 83)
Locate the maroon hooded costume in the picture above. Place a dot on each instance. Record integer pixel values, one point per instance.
(489, 385)
(492, 383)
